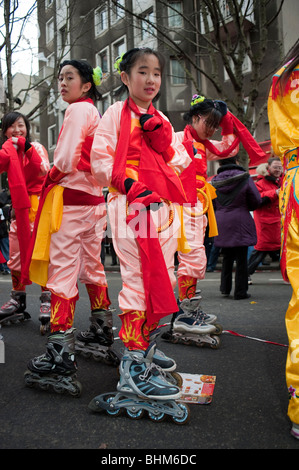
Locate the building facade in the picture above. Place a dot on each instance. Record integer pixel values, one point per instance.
(100, 31)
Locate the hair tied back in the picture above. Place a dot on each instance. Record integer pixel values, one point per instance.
(197, 99)
(97, 76)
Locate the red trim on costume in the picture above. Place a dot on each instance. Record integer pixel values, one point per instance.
(74, 197)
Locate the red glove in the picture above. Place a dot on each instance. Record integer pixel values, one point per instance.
(23, 144)
(139, 194)
(227, 124)
(149, 122)
(53, 176)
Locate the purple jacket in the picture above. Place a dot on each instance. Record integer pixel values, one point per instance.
(237, 196)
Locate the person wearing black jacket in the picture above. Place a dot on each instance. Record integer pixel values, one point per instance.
(237, 196)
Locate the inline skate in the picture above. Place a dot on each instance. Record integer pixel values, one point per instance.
(98, 339)
(142, 387)
(193, 326)
(14, 309)
(45, 312)
(57, 367)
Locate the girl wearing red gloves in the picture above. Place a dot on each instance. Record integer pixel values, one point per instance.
(26, 164)
(68, 243)
(136, 153)
(204, 117)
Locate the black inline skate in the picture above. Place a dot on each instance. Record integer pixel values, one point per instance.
(45, 312)
(14, 309)
(193, 326)
(98, 339)
(57, 367)
(142, 387)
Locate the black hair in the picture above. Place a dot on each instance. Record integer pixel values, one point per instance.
(130, 58)
(85, 71)
(213, 110)
(8, 120)
(228, 161)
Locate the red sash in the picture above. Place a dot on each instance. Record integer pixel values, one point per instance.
(158, 177)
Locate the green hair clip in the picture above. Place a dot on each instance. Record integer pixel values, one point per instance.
(117, 63)
(197, 99)
(97, 76)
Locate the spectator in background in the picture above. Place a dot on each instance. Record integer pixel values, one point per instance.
(267, 217)
(237, 195)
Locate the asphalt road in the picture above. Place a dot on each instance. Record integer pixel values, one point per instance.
(249, 406)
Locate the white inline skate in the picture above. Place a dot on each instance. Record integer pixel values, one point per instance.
(143, 387)
(96, 342)
(14, 309)
(56, 368)
(193, 326)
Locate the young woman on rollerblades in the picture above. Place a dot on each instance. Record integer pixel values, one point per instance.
(136, 153)
(191, 325)
(26, 164)
(73, 233)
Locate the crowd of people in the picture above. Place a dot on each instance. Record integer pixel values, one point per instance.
(159, 204)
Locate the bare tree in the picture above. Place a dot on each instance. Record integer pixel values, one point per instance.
(221, 35)
(12, 21)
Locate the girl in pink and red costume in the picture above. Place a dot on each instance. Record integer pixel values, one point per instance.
(136, 153)
(26, 164)
(71, 223)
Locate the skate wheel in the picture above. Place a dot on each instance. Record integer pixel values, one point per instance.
(28, 380)
(135, 414)
(156, 417)
(44, 386)
(111, 411)
(219, 329)
(178, 381)
(58, 388)
(85, 354)
(216, 342)
(185, 415)
(78, 390)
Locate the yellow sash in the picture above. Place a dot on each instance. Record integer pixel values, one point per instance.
(211, 194)
(49, 222)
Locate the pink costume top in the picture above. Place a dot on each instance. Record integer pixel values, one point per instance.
(105, 143)
(79, 125)
(34, 186)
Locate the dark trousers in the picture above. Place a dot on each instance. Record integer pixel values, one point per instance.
(238, 254)
(258, 257)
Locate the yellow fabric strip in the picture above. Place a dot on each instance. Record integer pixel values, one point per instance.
(49, 222)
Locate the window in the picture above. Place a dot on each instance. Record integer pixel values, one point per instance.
(104, 103)
(147, 30)
(178, 74)
(102, 59)
(62, 37)
(117, 13)
(101, 20)
(246, 67)
(118, 48)
(51, 137)
(50, 30)
(175, 19)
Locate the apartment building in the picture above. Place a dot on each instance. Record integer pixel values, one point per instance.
(100, 31)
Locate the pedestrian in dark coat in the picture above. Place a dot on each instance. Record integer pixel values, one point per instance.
(237, 196)
(267, 217)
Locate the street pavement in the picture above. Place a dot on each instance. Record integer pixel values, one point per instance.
(249, 406)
